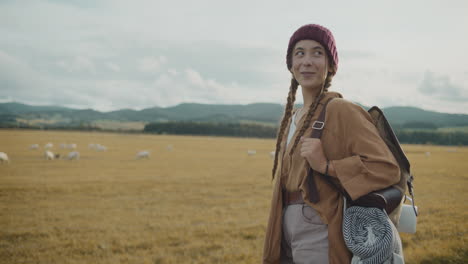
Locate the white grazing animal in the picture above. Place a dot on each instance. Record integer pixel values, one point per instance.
(63, 146)
(251, 152)
(48, 145)
(143, 154)
(91, 146)
(100, 147)
(34, 146)
(71, 146)
(73, 155)
(49, 155)
(4, 157)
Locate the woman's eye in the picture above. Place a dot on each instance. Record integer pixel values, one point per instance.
(317, 53)
(299, 53)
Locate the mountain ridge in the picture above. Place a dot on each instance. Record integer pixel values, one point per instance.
(260, 112)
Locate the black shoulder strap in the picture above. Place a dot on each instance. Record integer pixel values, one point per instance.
(319, 124)
(317, 131)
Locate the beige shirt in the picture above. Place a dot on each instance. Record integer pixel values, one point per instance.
(292, 128)
(362, 161)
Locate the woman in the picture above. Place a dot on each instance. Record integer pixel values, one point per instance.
(350, 152)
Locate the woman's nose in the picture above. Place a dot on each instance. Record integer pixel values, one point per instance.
(307, 60)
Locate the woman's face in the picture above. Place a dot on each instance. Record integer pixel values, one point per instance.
(309, 64)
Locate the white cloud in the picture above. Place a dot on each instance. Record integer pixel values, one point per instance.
(152, 64)
(113, 67)
(194, 78)
(169, 89)
(442, 87)
(172, 72)
(17, 76)
(78, 64)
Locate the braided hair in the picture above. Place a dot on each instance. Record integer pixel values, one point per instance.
(284, 122)
(287, 115)
(306, 124)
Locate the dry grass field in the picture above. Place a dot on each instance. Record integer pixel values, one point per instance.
(204, 201)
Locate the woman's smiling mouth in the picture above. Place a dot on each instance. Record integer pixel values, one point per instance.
(308, 74)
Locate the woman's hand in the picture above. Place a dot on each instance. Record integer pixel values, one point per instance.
(312, 151)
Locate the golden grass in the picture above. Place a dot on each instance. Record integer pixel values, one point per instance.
(206, 201)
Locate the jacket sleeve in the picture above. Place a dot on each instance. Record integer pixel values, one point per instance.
(367, 165)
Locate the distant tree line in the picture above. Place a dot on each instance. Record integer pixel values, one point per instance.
(407, 136)
(69, 126)
(414, 125)
(419, 125)
(212, 129)
(432, 137)
(410, 134)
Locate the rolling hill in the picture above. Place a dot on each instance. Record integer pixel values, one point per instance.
(268, 113)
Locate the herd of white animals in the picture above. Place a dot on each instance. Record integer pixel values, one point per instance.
(143, 154)
(75, 155)
(49, 155)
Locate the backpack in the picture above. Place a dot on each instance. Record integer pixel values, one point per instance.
(390, 199)
(406, 180)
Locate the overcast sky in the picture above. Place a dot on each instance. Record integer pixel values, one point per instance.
(112, 54)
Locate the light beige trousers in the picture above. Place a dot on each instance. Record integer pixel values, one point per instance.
(305, 236)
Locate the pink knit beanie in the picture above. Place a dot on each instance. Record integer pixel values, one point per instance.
(314, 32)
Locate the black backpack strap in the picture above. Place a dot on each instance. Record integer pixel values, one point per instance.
(317, 131)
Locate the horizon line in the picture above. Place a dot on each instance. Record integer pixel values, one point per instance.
(221, 104)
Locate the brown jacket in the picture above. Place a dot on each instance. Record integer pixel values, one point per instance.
(362, 163)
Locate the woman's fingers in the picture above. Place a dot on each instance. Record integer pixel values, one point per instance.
(311, 150)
